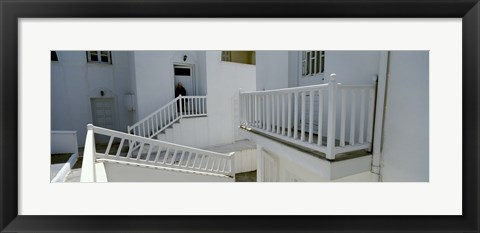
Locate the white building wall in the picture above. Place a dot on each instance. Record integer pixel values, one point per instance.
(128, 173)
(224, 81)
(154, 77)
(75, 82)
(405, 147)
(351, 67)
(272, 70)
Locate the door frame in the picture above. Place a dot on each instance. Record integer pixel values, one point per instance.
(192, 74)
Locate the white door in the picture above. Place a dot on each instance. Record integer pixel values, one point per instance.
(184, 74)
(103, 112)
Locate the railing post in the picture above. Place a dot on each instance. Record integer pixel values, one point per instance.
(232, 159)
(332, 115)
(89, 157)
(180, 105)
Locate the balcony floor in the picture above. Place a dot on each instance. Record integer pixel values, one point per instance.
(313, 152)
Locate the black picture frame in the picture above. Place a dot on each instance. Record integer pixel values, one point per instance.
(11, 11)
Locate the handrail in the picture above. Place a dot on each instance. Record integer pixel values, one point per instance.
(290, 89)
(159, 120)
(155, 112)
(151, 152)
(314, 116)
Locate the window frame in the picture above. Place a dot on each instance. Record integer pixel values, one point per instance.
(99, 57)
(309, 63)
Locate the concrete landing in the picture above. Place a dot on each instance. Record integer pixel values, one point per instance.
(237, 146)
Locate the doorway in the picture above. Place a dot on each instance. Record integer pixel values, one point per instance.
(103, 112)
(184, 74)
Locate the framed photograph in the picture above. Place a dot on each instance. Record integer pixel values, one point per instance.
(334, 116)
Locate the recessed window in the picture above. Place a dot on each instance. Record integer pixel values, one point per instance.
(180, 71)
(245, 57)
(53, 56)
(99, 57)
(313, 63)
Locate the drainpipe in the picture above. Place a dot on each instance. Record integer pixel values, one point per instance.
(382, 81)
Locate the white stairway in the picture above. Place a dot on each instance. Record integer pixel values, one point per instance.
(133, 158)
(191, 132)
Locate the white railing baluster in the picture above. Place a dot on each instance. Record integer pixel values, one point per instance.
(277, 105)
(157, 156)
(302, 122)
(273, 113)
(166, 156)
(310, 123)
(352, 118)
(283, 114)
(198, 105)
(188, 159)
(343, 118)
(295, 116)
(255, 111)
(265, 110)
(140, 151)
(150, 147)
(267, 100)
(181, 158)
(109, 146)
(190, 100)
(320, 118)
(174, 156)
(289, 118)
(120, 147)
(362, 117)
(249, 110)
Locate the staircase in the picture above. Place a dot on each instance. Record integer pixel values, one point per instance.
(120, 161)
(162, 119)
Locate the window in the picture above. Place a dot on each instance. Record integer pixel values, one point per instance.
(99, 57)
(245, 57)
(53, 56)
(182, 71)
(313, 63)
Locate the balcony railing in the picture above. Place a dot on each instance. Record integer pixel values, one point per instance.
(314, 116)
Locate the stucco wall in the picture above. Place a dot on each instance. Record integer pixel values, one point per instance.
(351, 67)
(154, 77)
(74, 82)
(405, 134)
(224, 81)
(272, 70)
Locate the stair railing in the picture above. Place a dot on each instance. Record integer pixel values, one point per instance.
(314, 116)
(159, 120)
(152, 153)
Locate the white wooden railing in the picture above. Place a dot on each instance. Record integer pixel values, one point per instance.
(152, 153)
(314, 116)
(158, 121)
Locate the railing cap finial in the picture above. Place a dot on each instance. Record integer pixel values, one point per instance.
(333, 77)
(89, 126)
